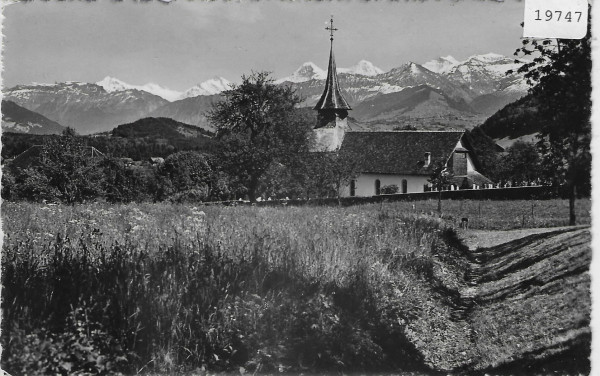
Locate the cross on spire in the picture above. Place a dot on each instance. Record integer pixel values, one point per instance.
(331, 29)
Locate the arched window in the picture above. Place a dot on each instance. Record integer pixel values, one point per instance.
(353, 188)
(377, 187)
(404, 186)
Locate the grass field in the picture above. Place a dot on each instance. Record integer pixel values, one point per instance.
(170, 288)
(503, 215)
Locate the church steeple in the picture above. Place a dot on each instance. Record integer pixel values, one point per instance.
(332, 99)
(332, 109)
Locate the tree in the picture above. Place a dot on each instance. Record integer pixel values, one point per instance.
(440, 179)
(257, 124)
(186, 171)
(328, 173)
(560, 77)
(71, 169)
(521, 163)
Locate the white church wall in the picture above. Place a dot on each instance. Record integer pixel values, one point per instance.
(365, 184)
(470, 166)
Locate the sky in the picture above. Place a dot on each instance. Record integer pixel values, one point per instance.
(185, 42)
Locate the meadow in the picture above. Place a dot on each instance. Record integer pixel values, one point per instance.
(163, 288)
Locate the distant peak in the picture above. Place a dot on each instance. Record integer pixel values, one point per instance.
(487, 58)
(306, 72)
(442, 64)
(211, 86)
(362, 68)
(111, 84)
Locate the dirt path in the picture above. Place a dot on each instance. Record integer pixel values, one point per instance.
(490, 238)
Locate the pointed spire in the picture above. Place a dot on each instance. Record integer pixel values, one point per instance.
(332, 98)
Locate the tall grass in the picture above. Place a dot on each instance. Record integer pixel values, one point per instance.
(168, 288)
(162, 288)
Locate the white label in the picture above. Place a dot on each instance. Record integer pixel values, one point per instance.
(563, 19)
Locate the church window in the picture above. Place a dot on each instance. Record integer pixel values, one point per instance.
(353, 188)
(427, 159)
(377, 187)
(404, 186)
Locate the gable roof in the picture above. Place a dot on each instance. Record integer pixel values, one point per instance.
(399, 152)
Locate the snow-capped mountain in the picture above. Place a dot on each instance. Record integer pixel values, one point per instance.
(442, 64)
(478, 85)
(362, 68)
(310, 71)
(213, 86)
(307, 71)
(483, 74)
(111, 84)
(86, 107)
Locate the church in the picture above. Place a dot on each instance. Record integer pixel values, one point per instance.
(404, 159)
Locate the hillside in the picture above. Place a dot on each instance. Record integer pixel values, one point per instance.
(145, 138)
(158, 128)
(422, 107)
(515, 120)
(189, 110)
(21, 120)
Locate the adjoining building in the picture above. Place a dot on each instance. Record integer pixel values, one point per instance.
(405, 159)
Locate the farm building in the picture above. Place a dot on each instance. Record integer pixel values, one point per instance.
(405, 159)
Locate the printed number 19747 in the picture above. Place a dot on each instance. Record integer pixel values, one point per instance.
(563, 19)
(548, 15)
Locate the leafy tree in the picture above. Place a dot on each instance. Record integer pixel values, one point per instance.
(27, 184)
(186, 171)
(122, 184)
(257, 124)
(521, 163)
(71, 168)
(560, 77)
(328, 173)
(440, 179)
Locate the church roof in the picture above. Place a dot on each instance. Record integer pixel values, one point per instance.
(399, 152)
(332, 98)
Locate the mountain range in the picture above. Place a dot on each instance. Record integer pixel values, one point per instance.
(466, 92)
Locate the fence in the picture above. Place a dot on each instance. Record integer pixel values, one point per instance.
(512, 193)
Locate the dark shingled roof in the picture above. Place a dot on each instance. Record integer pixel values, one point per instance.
(332, 99)
(399, 152)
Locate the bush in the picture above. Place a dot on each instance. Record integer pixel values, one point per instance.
(390, 189)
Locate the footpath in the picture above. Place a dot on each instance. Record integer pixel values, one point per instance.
(526, 300)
